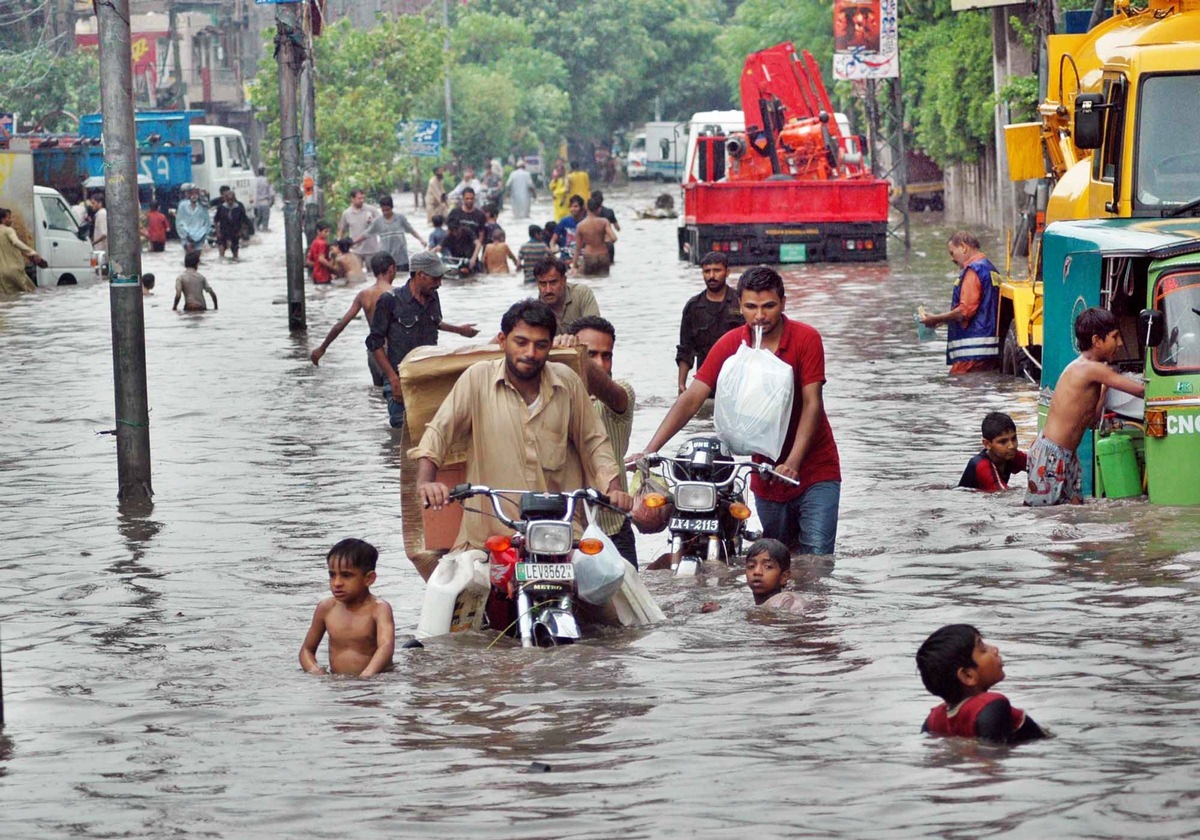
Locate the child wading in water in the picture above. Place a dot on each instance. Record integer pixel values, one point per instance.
(957, 665)
(362, 632)
(768, 569)
(991, 469)
(1077, 404)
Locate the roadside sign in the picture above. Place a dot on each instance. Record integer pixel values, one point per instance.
(275, 2)
(420, 138)
(7, 122)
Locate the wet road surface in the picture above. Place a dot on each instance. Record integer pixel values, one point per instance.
(149, 656)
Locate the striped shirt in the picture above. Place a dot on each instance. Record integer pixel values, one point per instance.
(618, 427)
(532, 253)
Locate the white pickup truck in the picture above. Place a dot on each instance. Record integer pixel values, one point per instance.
(43, 220)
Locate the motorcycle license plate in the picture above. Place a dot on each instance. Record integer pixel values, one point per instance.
(545, 571)
(707, 526)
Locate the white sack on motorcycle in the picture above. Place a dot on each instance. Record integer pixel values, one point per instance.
(754, 401)
(598, 576)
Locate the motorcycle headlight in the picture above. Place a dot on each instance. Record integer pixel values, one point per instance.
(695, 496)
(549, 538)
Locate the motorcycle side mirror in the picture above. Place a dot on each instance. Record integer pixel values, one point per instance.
(1089, 120)
(1150, 327)
(81, 235)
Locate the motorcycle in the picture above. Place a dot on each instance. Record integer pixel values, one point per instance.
(707, 486)
(531, 571)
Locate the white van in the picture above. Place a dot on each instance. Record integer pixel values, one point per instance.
(58, 238)
(43, 220)
(219, 158)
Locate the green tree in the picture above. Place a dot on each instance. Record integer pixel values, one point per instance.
(365, 83)
(37, 82)
(946, 74)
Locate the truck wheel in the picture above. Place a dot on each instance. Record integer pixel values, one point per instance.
(1013, 360)
(66, 280)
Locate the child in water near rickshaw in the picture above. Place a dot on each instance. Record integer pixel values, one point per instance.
(991, 469)
(958, 666)
(1054, 472)
(362, 632)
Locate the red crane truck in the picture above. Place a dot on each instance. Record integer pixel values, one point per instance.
(793, 187)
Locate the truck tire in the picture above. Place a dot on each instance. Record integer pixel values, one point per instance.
(1013, 360)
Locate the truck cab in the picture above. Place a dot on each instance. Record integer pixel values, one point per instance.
(219, 158)
(1147, 273)
(67, 252)
(1108, 144)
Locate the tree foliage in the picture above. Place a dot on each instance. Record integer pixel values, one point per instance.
(37, 82)
(946, 74)
(366, 81)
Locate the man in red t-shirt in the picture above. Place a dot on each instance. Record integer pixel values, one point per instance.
(157, 228)
(803, 517)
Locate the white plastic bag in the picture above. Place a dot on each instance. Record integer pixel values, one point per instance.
(598, 576)
(754, 401)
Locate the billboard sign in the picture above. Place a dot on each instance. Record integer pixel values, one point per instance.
(866, 43)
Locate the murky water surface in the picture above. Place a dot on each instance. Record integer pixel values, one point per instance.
(150, 673)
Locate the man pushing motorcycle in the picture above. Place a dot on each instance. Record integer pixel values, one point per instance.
(527, 424)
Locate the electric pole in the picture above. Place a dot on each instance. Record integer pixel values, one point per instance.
(289, 53)
(446, 63)
(124, 252)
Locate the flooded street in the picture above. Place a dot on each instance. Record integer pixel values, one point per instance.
(151, 684)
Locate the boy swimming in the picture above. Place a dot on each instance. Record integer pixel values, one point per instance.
(1078, 402)
(958, 666)
(991, 469)
(768, 569)
(362, 632)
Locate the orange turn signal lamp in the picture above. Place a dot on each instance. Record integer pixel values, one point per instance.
(497, 544)
(739, 511)
(655, 500)
(1156, 422)
(590, 545)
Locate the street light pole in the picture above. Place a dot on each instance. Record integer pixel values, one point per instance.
(289, 53)
(124, 252)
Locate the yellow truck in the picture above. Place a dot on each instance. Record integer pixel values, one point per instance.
(1114, 140)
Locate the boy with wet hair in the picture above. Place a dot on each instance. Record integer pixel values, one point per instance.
(497, 254)
(438, 235)
(532, 253)
(1077, 404)
(958, 666)
(991, 469)
(768, 569)
(362, 632)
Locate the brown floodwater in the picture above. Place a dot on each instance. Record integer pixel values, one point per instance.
(150, 675)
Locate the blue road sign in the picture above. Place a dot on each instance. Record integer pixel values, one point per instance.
(421, 138)
(275, 2)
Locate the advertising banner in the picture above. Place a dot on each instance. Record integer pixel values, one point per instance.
(866, 44)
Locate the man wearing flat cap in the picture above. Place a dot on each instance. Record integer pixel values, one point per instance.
(409, 317)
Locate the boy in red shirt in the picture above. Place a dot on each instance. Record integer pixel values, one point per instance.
(157, 227)
(318, 255)
(804, 517)
(991, 469)
(958, 666)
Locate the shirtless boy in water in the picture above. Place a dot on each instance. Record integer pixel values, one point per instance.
(384, 268)
(362, 632)
(1077, 404)
(591, 241)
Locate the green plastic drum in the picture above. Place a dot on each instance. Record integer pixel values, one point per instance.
(1118, 467)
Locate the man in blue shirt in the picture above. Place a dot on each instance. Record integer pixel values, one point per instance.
(192, 221)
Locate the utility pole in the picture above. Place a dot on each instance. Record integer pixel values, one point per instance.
(446, 63)
(124, 252)
(289, 53)
(314, 209)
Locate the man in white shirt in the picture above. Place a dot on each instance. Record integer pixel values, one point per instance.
(99, 223)
(355, 220)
